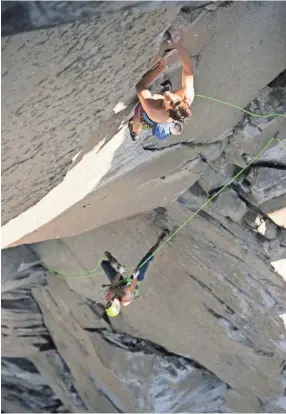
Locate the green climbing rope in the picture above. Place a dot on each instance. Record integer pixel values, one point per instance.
(282, 145)
(241, 109)
(77, 275)
(93, 272)
(210, 199)
(70, 275)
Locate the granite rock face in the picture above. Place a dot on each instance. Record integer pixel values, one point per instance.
(89, 363)
(267, 183)
(208, 333)
(72, 78)
(228, 204)
(45, 379)
(62, 86)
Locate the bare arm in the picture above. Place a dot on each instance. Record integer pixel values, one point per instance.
(187, 73)
(151, 75)
(142, 90)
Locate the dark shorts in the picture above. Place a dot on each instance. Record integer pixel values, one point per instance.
(111, 272)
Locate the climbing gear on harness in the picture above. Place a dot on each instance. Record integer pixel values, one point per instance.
(122, 283)
(113, 308)
(159, 130)
(127, 282)
(142, 116)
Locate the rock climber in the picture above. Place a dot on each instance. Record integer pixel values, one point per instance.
(164, 113)
(122, 291)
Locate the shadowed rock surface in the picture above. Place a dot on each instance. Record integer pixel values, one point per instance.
(19, 16)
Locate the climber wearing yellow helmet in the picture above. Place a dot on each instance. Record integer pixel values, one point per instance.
(122, 290)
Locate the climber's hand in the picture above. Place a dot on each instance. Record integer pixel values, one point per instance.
(176, 39)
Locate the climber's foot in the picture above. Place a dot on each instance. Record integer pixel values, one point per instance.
(114, 263)
(130, 126)
(111, 259)
(163, 235)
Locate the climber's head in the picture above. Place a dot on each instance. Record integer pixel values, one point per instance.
(113, 307)
(177, 107)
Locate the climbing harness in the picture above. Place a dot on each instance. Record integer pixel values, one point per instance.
(160, 130)
(143, 117)
(127, 282)
(93, 272)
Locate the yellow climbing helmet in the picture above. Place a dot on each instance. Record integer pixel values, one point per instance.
(113, 308)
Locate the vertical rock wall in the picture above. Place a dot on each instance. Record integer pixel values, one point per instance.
(74, 83)
(58, 86)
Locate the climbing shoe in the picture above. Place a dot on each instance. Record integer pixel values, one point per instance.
(130, 127)
(164, 234)
(111, 259)
(114, 262)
